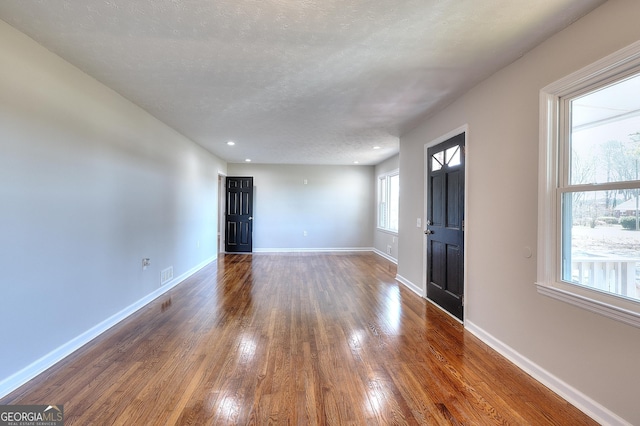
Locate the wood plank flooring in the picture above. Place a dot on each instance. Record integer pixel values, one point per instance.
(293, 339)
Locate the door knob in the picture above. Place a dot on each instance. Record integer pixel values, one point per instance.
(428, 232)
(250, 217)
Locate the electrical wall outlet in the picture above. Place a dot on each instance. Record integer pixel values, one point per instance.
(146, 262)
(304, 233)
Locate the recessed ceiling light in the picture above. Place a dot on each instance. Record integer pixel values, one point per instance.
(356, 162)
(376, 147)
(248, 160)
(231, 143)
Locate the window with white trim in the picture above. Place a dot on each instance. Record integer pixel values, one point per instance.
(588, 233)
(388, 201)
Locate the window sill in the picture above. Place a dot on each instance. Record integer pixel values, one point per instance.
(387, 231)
(597, 303)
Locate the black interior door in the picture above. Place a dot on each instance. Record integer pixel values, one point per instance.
(445, 225)
(239, 216)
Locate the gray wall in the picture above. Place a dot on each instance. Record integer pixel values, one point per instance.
(593, 357)
(90, 184)
(385, 239)
(335, 207)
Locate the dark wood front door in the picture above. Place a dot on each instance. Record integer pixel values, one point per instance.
(445, 225)
(239, 216)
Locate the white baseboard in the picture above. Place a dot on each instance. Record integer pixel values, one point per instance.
(386, 256)
(581, 401)
(16, 380)
(312, 250)
(411, 286)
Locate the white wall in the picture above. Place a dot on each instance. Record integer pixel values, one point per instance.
(592, 360)
(384, 239)
(335, 207)
(89, 185)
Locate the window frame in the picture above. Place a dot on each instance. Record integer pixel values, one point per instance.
(384, 204)
(612, 68)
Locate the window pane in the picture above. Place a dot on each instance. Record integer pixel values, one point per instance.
(382, 189)
(437, 160)
(452, 156)
(382, 202)
(600, 243)
(382, 215)
(605, 134)
(394, 201)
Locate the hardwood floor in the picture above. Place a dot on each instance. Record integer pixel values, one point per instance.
(293, 339)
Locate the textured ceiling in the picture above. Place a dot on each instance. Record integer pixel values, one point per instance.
(298, 82)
